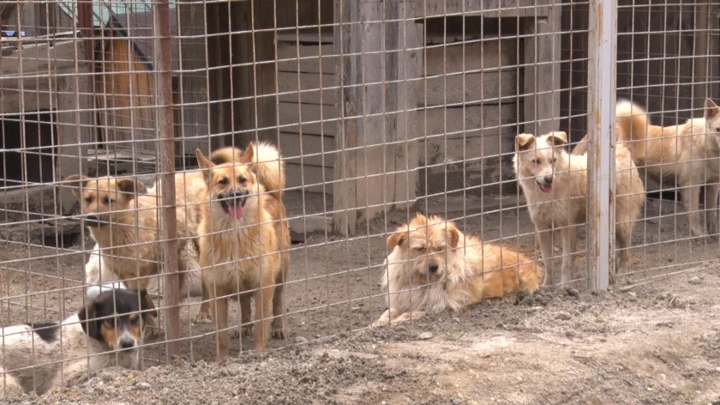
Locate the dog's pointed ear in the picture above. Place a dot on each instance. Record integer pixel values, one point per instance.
(81, 179)
(249, 155)
(396, 239)
(88, 320)
(557, 138)
(205, 164)
(146, 304)
(523, 141)
(129, 188)
(711, 109)
(453, 236)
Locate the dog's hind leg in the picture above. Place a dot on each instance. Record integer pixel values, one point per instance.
(691, 202)
(569, 242)
(245, 315)
(623, 241)
(546, 247)
(278, 323)
(205, 314)
(712, 191)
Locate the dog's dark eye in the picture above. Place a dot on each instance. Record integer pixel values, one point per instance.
(439, 248)
(535, 161)
(553, 160)
(109, 323)
(223, 181)
(108, 200)
(135, 320)
(420, 249)
(89, 200)
(242, 180)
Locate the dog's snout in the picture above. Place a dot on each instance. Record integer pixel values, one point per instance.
(238, 193)
(433, 268)
(127, 343)
(548, 179)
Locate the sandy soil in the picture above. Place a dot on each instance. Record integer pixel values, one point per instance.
(658, 342)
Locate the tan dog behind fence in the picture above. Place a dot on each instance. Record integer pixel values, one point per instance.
(432, 266)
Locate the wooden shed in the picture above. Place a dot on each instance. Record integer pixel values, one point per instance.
(376, 114)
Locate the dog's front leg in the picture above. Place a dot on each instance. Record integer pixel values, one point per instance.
(546, 247)
(712, 192)
(691, 202)
(569, 241)
(205, 313)
(263, 313)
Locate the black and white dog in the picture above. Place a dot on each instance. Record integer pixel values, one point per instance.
(106, 332)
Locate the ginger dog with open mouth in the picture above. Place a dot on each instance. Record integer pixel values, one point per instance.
(245, 239)
(555, 187)
(432, 266)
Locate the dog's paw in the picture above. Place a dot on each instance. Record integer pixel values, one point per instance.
(202, 318)
(278, 333)
(242, 332)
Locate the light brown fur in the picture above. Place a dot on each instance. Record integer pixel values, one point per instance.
(688, 153)
(542, 162)
(432, 266)
(249, 254)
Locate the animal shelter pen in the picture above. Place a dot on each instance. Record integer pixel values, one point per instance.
(379, 109)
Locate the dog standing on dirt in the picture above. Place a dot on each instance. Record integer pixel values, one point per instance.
(105, 333)
(432, 266)
(688, 153)
(245, 240)
(555, 187)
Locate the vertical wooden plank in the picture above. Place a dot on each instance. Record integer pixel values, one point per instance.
(701, 51)
(408, 123)
(542, 72)
(74, 128)
(600, 231)
(194, 77)
(368, 111)
(264, 73)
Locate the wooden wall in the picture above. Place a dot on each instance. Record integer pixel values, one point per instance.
(124, 94)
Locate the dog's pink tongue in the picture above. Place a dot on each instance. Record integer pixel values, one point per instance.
(235, 210)
(545, 189)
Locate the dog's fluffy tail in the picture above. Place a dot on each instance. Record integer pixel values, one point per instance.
(632, 121)
(269, 167)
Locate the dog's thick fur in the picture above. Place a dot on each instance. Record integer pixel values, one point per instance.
(688, 154)
(245, 241)
(106, 332)
(555, 187)
(432, 266)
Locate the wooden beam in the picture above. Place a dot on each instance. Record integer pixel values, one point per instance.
(374, 55)
(542, 73)
(194, 78)
(484, 8)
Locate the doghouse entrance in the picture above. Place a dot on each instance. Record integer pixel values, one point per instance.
(31, 162)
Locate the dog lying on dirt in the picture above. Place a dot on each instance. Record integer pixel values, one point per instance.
(244, 247)
(555, 187)
(105, 333)
(432, 266)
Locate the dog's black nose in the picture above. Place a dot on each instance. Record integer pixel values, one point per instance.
(127, 343)
(238, 193)
(433, 268)
(548, 179)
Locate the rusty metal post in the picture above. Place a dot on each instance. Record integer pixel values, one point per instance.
(164, 122)
(85, 23)
(600, 233)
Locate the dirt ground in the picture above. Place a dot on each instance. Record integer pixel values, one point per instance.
(657, 342)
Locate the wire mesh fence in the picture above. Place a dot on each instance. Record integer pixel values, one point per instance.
(115, 116)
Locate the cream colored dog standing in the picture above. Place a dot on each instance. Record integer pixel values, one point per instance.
(432, 266)
(689, 153)
(555, 187)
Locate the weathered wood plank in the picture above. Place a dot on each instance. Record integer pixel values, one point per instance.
(309, 60)
(469, 88)
(316, 150)
(310, 178)
(41, 59)
(485, 8)
(314, 88)
(290, 119)
(494, 120)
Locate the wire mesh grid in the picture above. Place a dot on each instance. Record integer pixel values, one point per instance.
(379, 110)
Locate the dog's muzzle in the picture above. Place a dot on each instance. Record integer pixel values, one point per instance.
(93, 221)
(433, 268)
(545, 183)
(233, 202)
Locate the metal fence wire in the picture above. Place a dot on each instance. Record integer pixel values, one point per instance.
(114, 115)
